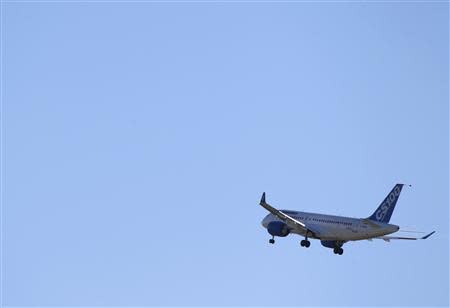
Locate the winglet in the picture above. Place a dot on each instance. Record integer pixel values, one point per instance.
(263, 199)
(428, 235)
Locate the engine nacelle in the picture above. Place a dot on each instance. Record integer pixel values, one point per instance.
(330, 244)
(278, 228)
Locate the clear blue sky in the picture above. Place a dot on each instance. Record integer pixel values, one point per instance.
(137, 139)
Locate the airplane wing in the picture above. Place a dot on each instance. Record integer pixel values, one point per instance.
(389, 238)
(290, 221)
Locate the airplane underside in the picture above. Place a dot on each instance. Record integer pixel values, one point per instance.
(335, 244)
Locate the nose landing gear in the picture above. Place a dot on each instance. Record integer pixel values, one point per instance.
(272, 240)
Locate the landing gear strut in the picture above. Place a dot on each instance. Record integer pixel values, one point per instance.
(272, 240)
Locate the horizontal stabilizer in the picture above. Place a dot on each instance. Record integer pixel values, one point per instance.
(388, 238)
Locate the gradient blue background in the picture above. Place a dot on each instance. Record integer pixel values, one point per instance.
(137, 139)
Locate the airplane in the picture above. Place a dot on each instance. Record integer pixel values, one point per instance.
(334, 231)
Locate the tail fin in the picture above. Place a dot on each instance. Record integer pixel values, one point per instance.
(384, 212)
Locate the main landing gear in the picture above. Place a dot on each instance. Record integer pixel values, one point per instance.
(338, 251)
(305, 242)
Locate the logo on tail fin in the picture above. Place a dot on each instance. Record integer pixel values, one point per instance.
(390, 200)
(384, 211)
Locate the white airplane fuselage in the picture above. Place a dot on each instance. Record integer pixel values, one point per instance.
(334, 231)
(336, 228)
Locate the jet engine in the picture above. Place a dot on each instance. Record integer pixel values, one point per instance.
(278, 228)
(330, 244)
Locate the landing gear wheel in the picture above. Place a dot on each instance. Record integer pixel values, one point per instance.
(305, 243)
(272, 241)
(338, 251)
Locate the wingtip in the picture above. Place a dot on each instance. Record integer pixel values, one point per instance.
(263, 198)
(428, 235)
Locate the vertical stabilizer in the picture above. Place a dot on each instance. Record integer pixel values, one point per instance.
(384, 212)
